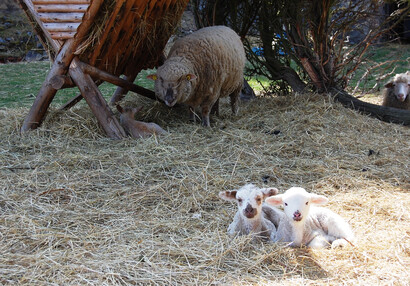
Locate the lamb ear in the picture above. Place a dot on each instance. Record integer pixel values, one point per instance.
(275, 200)
(389, 85)
(228, 195)
(318, 199)
(269, 192)
(152, 76)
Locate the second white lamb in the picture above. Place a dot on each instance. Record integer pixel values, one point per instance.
(304, 224)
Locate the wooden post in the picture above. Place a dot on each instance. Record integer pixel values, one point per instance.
(47, 92)
(60, 67)
(96, 101)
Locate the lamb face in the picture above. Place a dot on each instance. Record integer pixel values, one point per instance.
(249, 199)
(296, 203)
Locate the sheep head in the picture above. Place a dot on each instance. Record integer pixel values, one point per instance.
(296, 203)
(249, 199)
(400, 86)
(173, 83)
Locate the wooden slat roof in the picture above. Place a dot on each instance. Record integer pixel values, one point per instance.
(125, 35)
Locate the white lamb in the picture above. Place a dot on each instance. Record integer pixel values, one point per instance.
(253, 216)
(305, 224)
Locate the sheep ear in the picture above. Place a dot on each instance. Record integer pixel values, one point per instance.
(275, 200)
(318, 199)
(119, 108)
(269, 192)
(228, 195)
(152, 76)
(190, 77)
(389, 85)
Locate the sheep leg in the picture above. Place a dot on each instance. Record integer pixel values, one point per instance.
(206, 108)
(215, 108)
(205, 116)
(235, 100)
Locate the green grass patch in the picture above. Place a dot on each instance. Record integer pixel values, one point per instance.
(259, 83)
(381, 63)
(20, 83)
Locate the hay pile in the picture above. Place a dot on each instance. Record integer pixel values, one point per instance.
(77, 208)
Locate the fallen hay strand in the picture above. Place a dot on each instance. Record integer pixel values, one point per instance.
(78, 208)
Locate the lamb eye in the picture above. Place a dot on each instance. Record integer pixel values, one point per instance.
(307, 203)
(286, 204)
(240, 200)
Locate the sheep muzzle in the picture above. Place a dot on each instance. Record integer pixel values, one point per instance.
(169, 99)
(401, 97)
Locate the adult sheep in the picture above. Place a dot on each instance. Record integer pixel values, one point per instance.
(397, 92)
(201, 68)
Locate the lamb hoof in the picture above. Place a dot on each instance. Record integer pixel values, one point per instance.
(339, 243)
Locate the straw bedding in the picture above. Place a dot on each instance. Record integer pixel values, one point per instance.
(78, 208)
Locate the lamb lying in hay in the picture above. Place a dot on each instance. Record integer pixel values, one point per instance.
(137, 129)
(397, 92)
(304, 224)
(253, 216)
(201, 68)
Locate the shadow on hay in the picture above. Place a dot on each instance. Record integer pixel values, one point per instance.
(251, 260)
(297, 262)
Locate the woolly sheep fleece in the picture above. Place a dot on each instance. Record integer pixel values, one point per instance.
(201, 68)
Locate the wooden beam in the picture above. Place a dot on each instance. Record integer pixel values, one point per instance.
(72, 102)
(61, 8)
(61, 81)
(61, 27)
(62, 35)
(96, 101)
(61, 17)
(102, 75)
(45, 2)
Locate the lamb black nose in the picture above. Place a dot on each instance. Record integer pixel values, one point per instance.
(249, 208)
(297, 214)
(249, 211)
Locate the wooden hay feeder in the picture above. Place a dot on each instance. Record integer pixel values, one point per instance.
(92, 41)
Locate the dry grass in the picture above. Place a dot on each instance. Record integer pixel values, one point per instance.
(77, 208)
